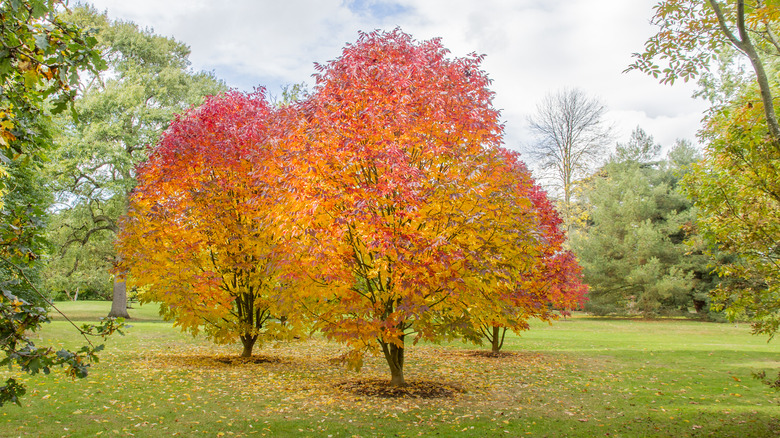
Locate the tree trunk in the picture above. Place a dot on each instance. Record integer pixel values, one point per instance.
(249, 344)
(497, 340)
(495, 346)
(119, 299)
(745, 44)
(395, 359)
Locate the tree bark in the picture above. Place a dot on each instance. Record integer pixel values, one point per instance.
(495, 347)
(119, 299)
(745, 44)
(249, 344)
(395, 359)
(497, 341)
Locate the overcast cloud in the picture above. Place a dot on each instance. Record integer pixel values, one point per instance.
(533, 47)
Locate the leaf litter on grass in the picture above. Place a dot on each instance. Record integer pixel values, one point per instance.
(186, 386)
(299, 377)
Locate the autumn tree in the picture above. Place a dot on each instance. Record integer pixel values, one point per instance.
(519, 279)
(120, 113)
(399, 185)
(202, 237)
(40, 58)
(571, 137)
(735, 186)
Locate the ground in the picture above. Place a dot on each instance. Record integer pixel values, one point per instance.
(580, 377)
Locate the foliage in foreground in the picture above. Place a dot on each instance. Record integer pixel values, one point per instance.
(737, 188)
(737, 185)
(40, 55)
(18, 319)
(40, 59)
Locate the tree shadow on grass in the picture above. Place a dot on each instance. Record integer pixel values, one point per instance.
(214, 361)
(238, 360)
(525, 357)
(415, 389)
(491, 354)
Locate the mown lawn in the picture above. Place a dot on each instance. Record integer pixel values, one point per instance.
(581, 377)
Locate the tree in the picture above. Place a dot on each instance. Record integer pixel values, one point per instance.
(737, 188)
(41, 55)
(120, 113)
(77, 271)
(693, 32)
(202, 237)
(736, 185)
(400, 182)
(634, 249)
(641, 148)
(545, 277)
(571, 136)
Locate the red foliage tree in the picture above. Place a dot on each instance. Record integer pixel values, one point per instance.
(385, 195)
(405, 208)
(201, 235)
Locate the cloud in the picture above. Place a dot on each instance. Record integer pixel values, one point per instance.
(533, 47)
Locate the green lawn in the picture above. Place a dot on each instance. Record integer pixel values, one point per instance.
(581, 377)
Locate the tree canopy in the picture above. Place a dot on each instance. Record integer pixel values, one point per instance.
(380, 206)
(121, 112)
(414, 216)
(202, 235)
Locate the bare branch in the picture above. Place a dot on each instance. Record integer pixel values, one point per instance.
(571, 136)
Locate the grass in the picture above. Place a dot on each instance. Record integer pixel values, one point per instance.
(581, 377)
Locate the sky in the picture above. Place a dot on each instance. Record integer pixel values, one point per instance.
(533, 48)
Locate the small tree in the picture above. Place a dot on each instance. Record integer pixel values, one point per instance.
(201, 235)
(524, 273)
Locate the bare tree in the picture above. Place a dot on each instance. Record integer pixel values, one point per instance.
(571, 136)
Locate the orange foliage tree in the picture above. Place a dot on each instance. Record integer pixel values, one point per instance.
(201, 236)
(523, 270)
(385, 196)
(409, 215)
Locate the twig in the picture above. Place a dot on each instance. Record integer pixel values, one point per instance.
(83, 333)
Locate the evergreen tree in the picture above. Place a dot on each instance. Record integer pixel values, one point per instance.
(633, 247)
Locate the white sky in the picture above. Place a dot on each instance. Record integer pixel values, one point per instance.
(533, 47)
